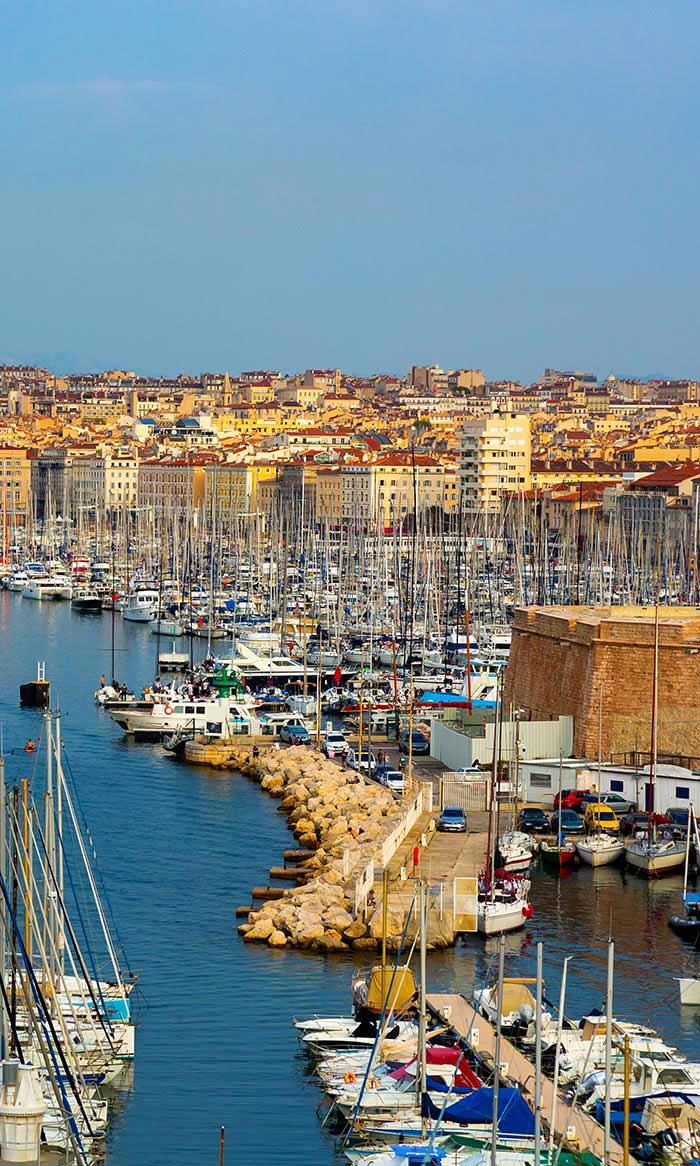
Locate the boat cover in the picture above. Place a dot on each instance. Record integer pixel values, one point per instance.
(514, 1114)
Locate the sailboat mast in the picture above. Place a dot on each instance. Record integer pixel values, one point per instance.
(651, 827)
(497, 1051)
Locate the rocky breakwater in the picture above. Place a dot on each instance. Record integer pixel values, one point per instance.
(344, 819)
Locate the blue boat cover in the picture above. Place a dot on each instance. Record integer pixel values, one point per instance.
(514, 1114)
(454, 698)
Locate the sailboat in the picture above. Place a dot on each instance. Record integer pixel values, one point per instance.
(688, 925)
(503, 894)
(599, 849)
(561, 852)
(652, 856)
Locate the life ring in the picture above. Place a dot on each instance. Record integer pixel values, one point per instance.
(168, 710)
(349, 1078)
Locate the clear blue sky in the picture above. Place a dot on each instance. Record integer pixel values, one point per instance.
(208, 184)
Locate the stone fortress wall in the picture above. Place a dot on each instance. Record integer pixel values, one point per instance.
(579, 660)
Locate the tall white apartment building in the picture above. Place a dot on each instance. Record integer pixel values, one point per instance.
(495, 459)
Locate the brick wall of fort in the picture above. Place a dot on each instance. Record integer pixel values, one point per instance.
(573, 660)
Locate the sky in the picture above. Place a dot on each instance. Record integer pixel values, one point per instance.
(369, 184)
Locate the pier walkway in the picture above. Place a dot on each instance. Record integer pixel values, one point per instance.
(454, 1010)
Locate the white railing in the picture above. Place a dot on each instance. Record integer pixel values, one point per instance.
(363, 885)
(419, 803)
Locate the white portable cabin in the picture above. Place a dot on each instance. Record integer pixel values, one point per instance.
(675, 785)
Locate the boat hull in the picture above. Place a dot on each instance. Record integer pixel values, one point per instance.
(498, 918)
(652, 863)
(599, 856)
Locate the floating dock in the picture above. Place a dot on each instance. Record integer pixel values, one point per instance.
(455, 1012)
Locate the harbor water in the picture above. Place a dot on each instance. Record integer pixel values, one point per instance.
(179, 848)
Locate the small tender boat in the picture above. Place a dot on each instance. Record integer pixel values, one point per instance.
(558, 855)
(599, 849)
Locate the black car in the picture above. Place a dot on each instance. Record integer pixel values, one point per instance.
(532, 820)
(420, 743)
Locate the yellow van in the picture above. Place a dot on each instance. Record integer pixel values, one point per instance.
(598, 816)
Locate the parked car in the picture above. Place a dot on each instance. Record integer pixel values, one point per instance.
(295, 735)
(393, 780)
(533, 820)
(598, 816)
(568, 821)
(334, 745)
(420, 744)
(452, 820)
(362, 760)
(385, 767)
(617, 803)
(638, 820)
(679, 816)
(571, 799)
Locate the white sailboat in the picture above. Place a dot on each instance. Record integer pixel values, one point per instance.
(652, 856)
(599, 849)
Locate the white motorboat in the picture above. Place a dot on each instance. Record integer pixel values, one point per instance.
(220, 718)
(515, 849)
(51, 587)
(142, 605)
(652, 858)
(599, 849)
(518, 1007)
(18, 581)
(689, 990)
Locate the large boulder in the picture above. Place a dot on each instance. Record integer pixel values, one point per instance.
(356, 930)
(277, 939)
(261, 930)
(394, 924)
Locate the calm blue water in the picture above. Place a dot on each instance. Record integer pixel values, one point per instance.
(180, 848)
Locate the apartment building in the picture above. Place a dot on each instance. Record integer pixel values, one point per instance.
(105, 481)
(15, 486)
(495, 459)
(171, 485)
(233, 489)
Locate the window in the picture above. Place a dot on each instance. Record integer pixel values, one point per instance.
(683, 792)
(617, 787)
(541, 780)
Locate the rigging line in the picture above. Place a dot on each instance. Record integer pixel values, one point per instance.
(71, 932)
(41, 1006)
(349, 1131)
(104, 894)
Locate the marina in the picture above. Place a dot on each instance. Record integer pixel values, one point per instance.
(216, 829)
